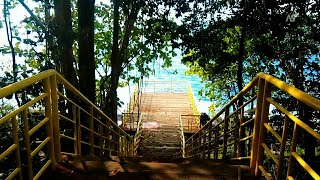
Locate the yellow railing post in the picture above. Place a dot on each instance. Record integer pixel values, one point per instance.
(199, 144)
(75, 129)
(216, 142)
(256, 128)
(79, 136)
(262, 132)
(16, 141)
(91, 130)
(118, 143)
(236, 135)
(209, 139)
(55, 118)
(108, 137)
(293, 148)
(27, 142)
(225, 130)
(241, 132)
(192, 147)
(48, 113)
(282, 146)
(101, 139)
(204, 144)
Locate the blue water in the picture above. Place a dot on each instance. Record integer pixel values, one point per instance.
(168, 74)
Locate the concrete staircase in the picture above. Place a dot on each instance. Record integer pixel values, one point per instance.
(161, 143)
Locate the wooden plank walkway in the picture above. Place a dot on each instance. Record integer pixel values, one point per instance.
(164, 109)
(161, 122)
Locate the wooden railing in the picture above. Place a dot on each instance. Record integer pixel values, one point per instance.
(240, 133)
(73, 126)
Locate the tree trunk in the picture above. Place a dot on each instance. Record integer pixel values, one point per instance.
(87, 80)
(62, 10)
(305, 114)
(118, 55)
(115, 64)
(241, 53)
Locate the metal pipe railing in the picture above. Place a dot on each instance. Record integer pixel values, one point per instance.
(103, 136)
(164, 86)
(182, 138)
(226, 134)
(137, 136)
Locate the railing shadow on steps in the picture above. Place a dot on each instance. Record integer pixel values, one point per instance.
(240, 133)
(86, 127)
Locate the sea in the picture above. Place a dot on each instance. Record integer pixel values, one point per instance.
(174, 73)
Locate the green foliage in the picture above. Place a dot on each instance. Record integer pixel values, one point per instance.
(274, 43)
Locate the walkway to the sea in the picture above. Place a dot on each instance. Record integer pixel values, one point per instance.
(162, 104)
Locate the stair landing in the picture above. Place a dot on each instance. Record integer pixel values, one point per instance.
(131, 169)
(163, 110)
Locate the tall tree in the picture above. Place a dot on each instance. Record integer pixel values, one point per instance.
(150, 14)
(87, 64)
(116, 62)
(65, 38)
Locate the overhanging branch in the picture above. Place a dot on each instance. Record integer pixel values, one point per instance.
(34, 17)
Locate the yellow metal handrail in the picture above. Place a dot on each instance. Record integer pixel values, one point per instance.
(105, 137)
(182, 138)
(137, 136)
(193, 104)
(134, 100)
(165, 86)
(226, 135)
(190, 122)
(130, 120)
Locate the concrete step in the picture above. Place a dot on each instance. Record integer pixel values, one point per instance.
(156, 152)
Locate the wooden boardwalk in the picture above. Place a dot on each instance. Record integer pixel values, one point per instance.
(164, 109)
(161, 104)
